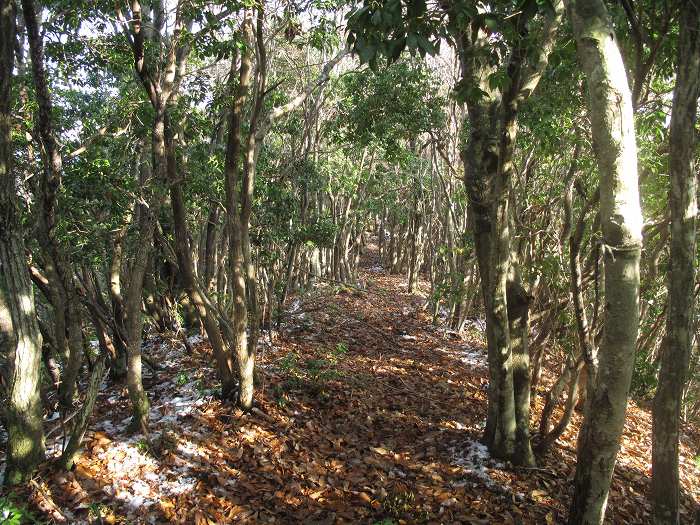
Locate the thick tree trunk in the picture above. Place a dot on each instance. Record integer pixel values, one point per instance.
(677, 345)
(610, 108)
(488, 171)
(518, 317)
(20, 338)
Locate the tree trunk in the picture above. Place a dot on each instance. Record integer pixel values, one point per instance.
(70, 453)
(59, 271)
(677, 346)
(235, 225)
(20, 339)
(518, 317)
(610, 108)
(488, 172)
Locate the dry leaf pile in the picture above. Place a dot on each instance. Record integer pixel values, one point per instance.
(365, 413)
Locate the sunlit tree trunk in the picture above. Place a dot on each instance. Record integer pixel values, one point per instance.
(20, 339)
(232, 182)
(610, 108)
(678, 343)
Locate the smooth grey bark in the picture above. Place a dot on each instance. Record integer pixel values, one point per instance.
(20, 338)
(677, 346)
(610, 109)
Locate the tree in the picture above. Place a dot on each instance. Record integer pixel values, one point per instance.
(20, 339)
(612, 128)
(57, 262)
(677, 346)
(496, 80)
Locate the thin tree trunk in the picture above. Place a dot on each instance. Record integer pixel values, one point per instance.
(59, 271)
(70, 453)
(677, 346)
(610, 108)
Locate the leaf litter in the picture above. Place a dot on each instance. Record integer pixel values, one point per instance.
(365, 413)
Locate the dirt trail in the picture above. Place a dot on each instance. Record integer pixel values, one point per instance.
(365, 413)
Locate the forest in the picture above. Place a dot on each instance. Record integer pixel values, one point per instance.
(341, 261)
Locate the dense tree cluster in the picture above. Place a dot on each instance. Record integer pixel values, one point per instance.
(179, 166)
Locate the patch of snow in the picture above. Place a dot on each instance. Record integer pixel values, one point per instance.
(195, 339)
(377, 268)
(476, 461)
(179, 486)
(477, 323)
(408, 337)
(470, 356)
(295, 306)
(54, 449)
(473, 358)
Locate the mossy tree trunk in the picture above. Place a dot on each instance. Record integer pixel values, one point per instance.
(493, 124)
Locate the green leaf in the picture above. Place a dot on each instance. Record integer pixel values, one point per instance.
(492, 22)
(426, 45)
(412, 41)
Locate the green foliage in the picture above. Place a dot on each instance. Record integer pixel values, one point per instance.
(143, 446)
(387, 28)
(314, 373)
(399, 503)
(182, 378)
(390, 108)
(100, 511)
(12, 513)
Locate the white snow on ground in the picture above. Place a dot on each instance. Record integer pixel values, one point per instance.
(139, 478)
(377, 268)
(195, 339)
(443, 313)
(295, 306)
(475, 460)
(470, 356)
(473, 357)
(477, 324)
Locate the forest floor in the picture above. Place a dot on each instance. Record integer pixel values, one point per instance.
(365, 413)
